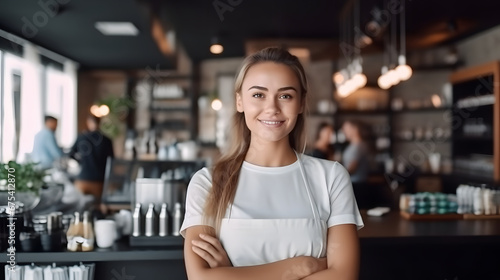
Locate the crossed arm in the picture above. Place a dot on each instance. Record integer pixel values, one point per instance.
(205, 258)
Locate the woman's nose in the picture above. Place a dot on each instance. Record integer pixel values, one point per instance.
(272, 106)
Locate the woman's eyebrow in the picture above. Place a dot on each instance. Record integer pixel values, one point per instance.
(258, 87)
(265, 89)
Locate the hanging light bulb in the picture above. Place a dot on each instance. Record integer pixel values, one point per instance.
(382, 81)
(342, 91)
(338, 78)
(216, 104)
(359, 80)
(403, 70)
(392, 77)
(216, 47)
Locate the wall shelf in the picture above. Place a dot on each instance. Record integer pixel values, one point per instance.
(467, 83)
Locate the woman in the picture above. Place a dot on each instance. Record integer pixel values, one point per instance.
(265, 211)
(322, 147)
(356, 157)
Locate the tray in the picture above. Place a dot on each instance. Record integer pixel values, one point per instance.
(144, 241)
(430, 217)
(480, 217)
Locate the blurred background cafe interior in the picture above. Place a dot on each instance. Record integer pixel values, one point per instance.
(405, 94)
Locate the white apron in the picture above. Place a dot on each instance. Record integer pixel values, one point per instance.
(258, 241)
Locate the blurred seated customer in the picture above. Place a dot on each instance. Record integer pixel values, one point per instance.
(45, 148)
(91, 150)
(357, 156)
(322, 147)
(356, 159)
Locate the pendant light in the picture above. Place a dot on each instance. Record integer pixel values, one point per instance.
(215, 46)
(392, 75)
(351, 78)
(403, 70)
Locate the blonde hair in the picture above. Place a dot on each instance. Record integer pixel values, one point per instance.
(226, 171)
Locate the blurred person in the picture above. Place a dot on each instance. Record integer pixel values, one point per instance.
(45, 149)
(91, 150)
(356, 157)
(322, 147)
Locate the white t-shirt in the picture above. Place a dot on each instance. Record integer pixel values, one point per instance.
(280, 193)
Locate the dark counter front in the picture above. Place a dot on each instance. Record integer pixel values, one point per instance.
(396, 248)
(391, 248)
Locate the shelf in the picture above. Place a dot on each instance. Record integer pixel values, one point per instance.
(422, 141)
(472, 138)
(363, 112)
(421, 110)
(173, 109)
(120, 251)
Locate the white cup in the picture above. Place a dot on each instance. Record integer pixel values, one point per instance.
(105, 233)
(435, 162)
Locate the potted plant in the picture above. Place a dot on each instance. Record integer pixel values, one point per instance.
(25, 183)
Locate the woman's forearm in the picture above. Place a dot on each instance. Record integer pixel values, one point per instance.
(289, 269)
(328, 274)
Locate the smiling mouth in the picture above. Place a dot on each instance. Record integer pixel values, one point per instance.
(274, 123)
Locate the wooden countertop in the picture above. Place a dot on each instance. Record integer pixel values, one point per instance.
(393, 226)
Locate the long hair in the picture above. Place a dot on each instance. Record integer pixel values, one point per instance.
(226, 171)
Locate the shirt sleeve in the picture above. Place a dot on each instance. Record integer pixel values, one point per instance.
(343, 206)
(52, 147)
(197, 193)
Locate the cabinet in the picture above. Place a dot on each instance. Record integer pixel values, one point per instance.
(173, 106)
(476, 121)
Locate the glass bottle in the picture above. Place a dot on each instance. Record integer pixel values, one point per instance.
(177, 219)
(74, 234)
(151, 221)
(88, 233)
(164, 218)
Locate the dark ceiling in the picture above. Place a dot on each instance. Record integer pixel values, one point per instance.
(71, 33)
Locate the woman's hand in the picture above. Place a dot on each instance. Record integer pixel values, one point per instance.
(210, 249)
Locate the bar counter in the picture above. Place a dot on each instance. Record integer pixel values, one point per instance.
(391, 248)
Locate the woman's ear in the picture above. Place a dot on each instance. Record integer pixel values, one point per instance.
(239, 103)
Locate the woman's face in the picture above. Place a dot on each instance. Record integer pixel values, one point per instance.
(349, 130)
(271, 101)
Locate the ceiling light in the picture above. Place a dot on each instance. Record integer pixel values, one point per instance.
(403, 71)
(339, 78)
(116, 28)
(216, 104)
(383, 81)
(216, 47)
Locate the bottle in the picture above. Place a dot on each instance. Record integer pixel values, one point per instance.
(151, 221)
(88, 233)
(137, 220)
(177, 220)
(164, 220)
(74, 234)
(478, 202)
(51, 239)
(152, 143)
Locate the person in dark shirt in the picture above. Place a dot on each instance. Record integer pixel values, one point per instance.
(91, 150)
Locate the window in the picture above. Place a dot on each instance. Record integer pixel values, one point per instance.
(28, 91)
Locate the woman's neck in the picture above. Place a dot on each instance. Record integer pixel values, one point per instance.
(355, 140)
(271, 154)
(322, 145)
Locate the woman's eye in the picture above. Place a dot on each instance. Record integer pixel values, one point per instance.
(286, 96)
(258, 95)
